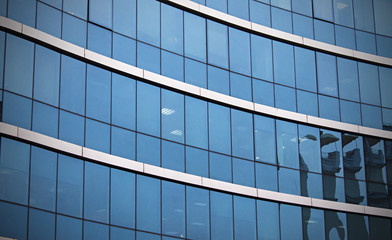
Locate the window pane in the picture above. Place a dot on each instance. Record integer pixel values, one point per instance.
(68, 228)
(22, 11)
(13, 222)
(148, 58)
(313, 223)
(311, 185)
(217, 44)
(148, 150)
(262, 58)
(385, 84)
(353, 157)
(123, 101)
(173, 156)
(238, 9)
(17, 110)
(242, 134)
(45, 119)
(99, 40)
(309, 146)
(172, 116)
(243, 172)
(239, 56)
(290, 222)
(221, 216)
(331, 152)
(348, 79)
(350, 112)
(281, 19)
(172, 29)
(326, 74)
(285, 98)
(173, 209)
(267, 220)
(303, 26)
(124, 49)
(335, 225)
(71, 128)
(218, 80)
(172, 65)
(148, 109)
(334, 188)
(195, 37)
(344, 15)
(323, 9)
(41, 225)
(240, 86)
(196, 161)
(121, 234)
(345, 37)
(284, 64)
(302, 6)
(49, 20)
(371, 116)
(357, 226)
(380, 228)
(289, 181)
(100, 12)
(219, 128)
(195, 73)
(263, 93)
(374, 159)
(123, 143)
(122, 198)
(97, 136)
(220, 167)
(287, 144)
(266, 177)
(148, 21)
(198, 213)
(124, 17)
(76, 7)
(329, 108)
(382, 17)
(305, 69)
(244, 218)
(196, 122)
(368, 80)
(95, 231)
(307, 103)
(363, 14)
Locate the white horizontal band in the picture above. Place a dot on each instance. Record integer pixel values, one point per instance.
(185, 88)
(84, 153)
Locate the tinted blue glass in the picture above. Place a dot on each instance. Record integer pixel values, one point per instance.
(173, 209)
(289, 181)
(2, 51)
(124, 49)
(363, 15)
(95, 231)
(123, 101)
(329, 108)
(13, 222)
(3, 8)
(196, 162)
(172, 24)
(195, 73)
(195, 37)
(218, 80)
(220, 5)
(357, 226)
(309, 149)
(45, 119)
(355, 192)
(18, 75)
(122, 198)
(281, 19)
(302, 6)
(303, 26)
(70, 186)
(371, 116)
(348, 79)
(71, 128)
(387, 119)
(264, 135)
(124, 17)
(123, 143)
(242, 134)
(49, 20)
(148, 150)
(148, 109)
(267, 220)
(196, 122)
(17, 110)
(99, 40)
(368, 82)
(307, 103)
(311, 185)
(380, 228)
(384, 46)
(239, 9)
(217, 40)
(43, 179)
(261, 58)
(121, 234)
(266, 177)
(324, 31)
(382, 16)
(263, 93)
(172, 65)
(72, 93)
(375, 161)
(41, 225)
(290, 222)
(385, 84)
(331, 152)
(219, 128)
(76, 7)
(353, 162)
(285, 98)
(239, 56)
(326, 74)
(350, 112)
(97, 136)
(240, 86)
(220, 167)
(221, 216)
(287, 145)
(335, 225)
(333, 188)
(260, 13)
(243, 172)
(305, 69)
(323, 9)
(313, 223)
(345, 37)
(74, 30)
(197, 213)
(68, 228)
(14, 174)
(100, 12)
(344, 15)
(147, 236)
(244, 218)
(22, 11)
(284, 64)
(148, 21)
(366, 42)
(148, 58)
(173, 156)
(148, 212)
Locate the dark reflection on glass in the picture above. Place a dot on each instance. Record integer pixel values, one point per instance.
(335, 225)
(355, 192)
(388, 160)
(311, 185)
(357, 227)
(353, 157)
(331, 152)
(313, 223)
(333, 188)
(377, 195)
(309, 156)
(374, 159)
(380, 228)
(287, 144)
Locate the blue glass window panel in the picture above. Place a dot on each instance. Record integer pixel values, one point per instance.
(290, 222)
(281, 19)
(197, 213)
(387, 119)
(240, 86)
(123, 101)
(355, 192)
(219, 128)
(303, 7)
(266, 177)
(285, 4)
(45, 119)
(147, 236)
(196, 161)
(124, 49)
(353, 159)
(14, 174)
(366, 42)
(76, 7)
(148, 58)
(124, 17)
(289, 181)
(243, 172)
(220, 167)
(262, 58)
(344, 15)
(309, 149)
(3, 8)
(148, 21)
(375, 161)
(13, 222)
(172, 25)
(202, 2)
(2, 52)
(307, 103)
(195, 37)
(382, 17)
(22, 11)
(95, 231)
(244, 218)
(380, 228)
(260, 13)
(72, 90)
(173, 156)
(350, 112)
(326, 74)
(285, 98)
(263, 93)
(323, 9)
(18, 75)
(196, 122)
(148, 109)
(220, 5)
(384, 46)
(264, 135)
(267, 220)
(41, 225)
(239, 56)
(335, 225)
(96, 192)
(324, 31)
(305, 69)
(217, 41)
(311, 185)
(122, 198)
(100, 12)
(74, 30)
(218, 80)
(313, 223)
(242, 134)
(371, 116)
(148, 150)
(368, 82)
(345, 37)
(284, 64)
(68, 228)
(97, 136)
(173, 209)
(385, 84)
(172, 65)
(123, 143)
(333, 188)
(329, 108)
(357, 226)
(17, 110)
(43, 179)
(99, 40)
(238, 9)
(331, 152)
(121, 234)
(71, 128)
(148, 212)
(49, 20)
(287, 144)
(70, 186)
(303, 26)
(195, 73)
(363, 15)
(348, 79)
(221, 216)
